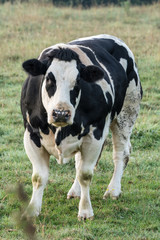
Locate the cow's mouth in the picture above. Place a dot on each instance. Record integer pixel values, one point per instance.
(59, 124)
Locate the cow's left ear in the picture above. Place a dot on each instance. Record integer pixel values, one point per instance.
(34, 67)
(91, 73)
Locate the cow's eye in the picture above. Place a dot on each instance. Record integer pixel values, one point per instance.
(50, 84)
(47, 79)
(50, 79)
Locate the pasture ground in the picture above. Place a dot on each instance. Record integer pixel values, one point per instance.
(25, 30)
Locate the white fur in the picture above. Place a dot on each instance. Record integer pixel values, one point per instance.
(124, 64)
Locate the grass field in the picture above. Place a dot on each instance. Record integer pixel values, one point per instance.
(25, 30)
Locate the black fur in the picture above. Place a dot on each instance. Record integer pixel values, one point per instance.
(64, 54)
(91, 73)
(34, 67)
(51, 84)
(75, 92)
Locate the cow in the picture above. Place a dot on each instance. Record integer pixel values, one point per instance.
(73, 95)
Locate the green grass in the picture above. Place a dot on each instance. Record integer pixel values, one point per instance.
(25, 30)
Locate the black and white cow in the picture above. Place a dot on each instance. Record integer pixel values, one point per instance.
(73, 94)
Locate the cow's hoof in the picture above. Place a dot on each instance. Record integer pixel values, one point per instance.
(26, 217)
(73, 195)
(30, 213)
(85, 214)
(114, 194)
(84, 218)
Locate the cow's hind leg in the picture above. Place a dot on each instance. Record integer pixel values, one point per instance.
(121, 132)
(121, 152)
(40, 162)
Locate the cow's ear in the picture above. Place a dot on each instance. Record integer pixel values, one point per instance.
(34, 67)
(91, 73)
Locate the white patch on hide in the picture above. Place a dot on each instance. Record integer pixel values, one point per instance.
(123, 62)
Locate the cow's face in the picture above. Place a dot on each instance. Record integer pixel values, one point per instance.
(61, 89)
(61, 79)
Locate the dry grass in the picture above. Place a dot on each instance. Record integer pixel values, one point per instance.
(27, 29)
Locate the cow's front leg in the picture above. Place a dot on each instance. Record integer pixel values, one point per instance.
(85, 207)
(90, 152)
(40, 162)
(75, 191)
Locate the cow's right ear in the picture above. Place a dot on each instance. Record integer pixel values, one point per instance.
(91, 73)
(34, 67)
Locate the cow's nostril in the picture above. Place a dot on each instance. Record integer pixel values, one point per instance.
(55, 114)
(61, 116)
(67, 114)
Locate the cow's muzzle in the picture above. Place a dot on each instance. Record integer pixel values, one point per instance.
(61, 117)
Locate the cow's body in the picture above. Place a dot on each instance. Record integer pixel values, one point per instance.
(74, 93)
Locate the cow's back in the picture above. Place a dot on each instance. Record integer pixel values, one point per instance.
(105, 47)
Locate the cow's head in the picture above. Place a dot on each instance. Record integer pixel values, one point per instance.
(61, 87)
